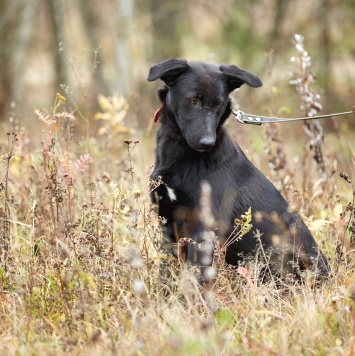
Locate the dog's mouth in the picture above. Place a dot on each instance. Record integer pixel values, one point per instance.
(204, 149)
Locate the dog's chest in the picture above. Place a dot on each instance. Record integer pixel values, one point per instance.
(170, 195)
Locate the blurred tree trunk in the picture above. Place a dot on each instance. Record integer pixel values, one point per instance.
(166, 21)
(123, 57)
(91, 23)
(7, 31)
(325, 53)
(56, 16)
(276, 34)
(239, 33)
(23, 40)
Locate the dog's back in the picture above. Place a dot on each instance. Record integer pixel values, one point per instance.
(194, 147)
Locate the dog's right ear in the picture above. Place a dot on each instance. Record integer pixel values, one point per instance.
(168, 71)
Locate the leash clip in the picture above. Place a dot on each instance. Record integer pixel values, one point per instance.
(244, 118)
(238, 115)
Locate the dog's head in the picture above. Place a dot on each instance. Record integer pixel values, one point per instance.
(198, 96)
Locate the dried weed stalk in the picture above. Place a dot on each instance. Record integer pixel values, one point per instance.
(310, 103)
(302, 82)
(279, 164)
(346, 244)
(5, 212)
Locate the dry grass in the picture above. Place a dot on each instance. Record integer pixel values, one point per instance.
(80, 264)
(80, 253)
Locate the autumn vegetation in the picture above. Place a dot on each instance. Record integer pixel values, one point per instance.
(80, 240)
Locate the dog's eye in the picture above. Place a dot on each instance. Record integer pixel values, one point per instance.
(194, 101)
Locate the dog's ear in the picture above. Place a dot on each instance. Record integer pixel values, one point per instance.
(168, 71)
(237, 76)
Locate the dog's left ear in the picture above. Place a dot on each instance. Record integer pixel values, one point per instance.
(168, 71)
(237, 76)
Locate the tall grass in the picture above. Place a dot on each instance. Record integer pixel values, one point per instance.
(80, 256)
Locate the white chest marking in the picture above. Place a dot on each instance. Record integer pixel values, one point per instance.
(171, 193)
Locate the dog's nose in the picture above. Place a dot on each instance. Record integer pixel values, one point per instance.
(207, 142)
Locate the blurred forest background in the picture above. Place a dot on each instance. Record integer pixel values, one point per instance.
(79, 239)
(83, 48)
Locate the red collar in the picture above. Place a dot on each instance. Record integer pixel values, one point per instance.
(157, 114)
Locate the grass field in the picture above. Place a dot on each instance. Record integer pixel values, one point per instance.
(80, 250)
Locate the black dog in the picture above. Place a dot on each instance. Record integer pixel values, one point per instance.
(192, 147)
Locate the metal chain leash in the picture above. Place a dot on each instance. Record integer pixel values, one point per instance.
(259, 120)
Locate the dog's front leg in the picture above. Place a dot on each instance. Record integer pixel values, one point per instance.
(200, 254)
